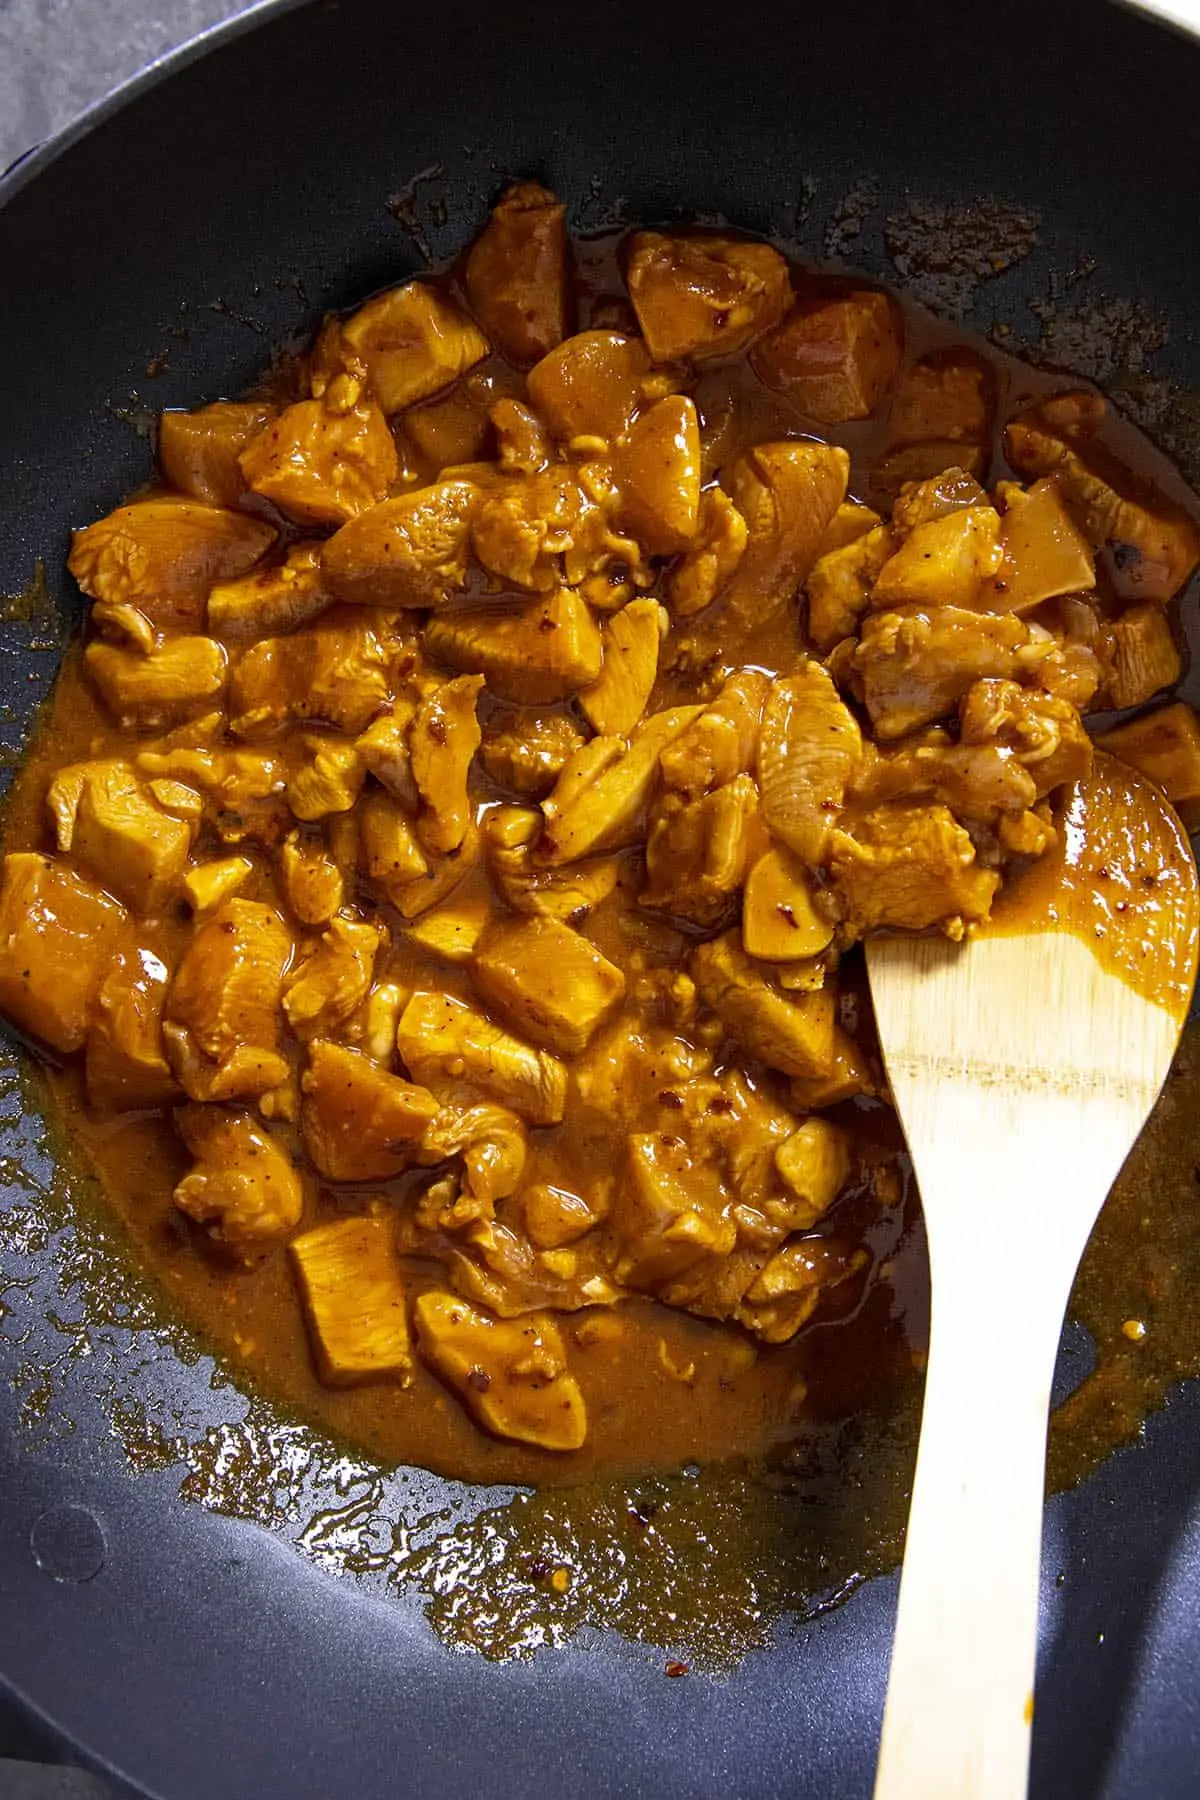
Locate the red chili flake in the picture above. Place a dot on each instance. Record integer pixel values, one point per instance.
(719, 1104)
(479, 1379)
(547, 624)
(539, 1569)
(668, 1097)
(676, 1669)
(437, 731)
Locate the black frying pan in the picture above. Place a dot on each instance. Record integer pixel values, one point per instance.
(216, 212)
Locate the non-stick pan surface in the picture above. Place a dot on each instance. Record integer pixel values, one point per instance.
(215, 214)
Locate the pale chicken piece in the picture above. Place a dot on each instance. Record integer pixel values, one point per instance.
(907, 868)
(312, 884)
(532, 653)
(1165, 746)
(851, 521)
(787, 1292)
(230, 780)
(780, 923)
(808, 750)
(607, 813)
(373, 1029)
(672, 1216)
(107, 819)
(526, 750)
(493, 1144)
(451, 932)
(1044, 551)
(522, 445)
(840, 583)
(178, 799)
(787, 493)
(615, 702)
(553, 1216)
(723, 741)
(698, 296)
(58, 937)
(1145, 656)
(221, 1020)
(946, 562)
(198, 451)
(914, 665)
(837, 359)
(270, 600)
(410, 551)
(457, 427)
(333, 979)
(120, 623)
(324, 461)
(453, 1049)
(178, 677)
(697, 851)
(592, 384)
(517, 273)
(547, 982)
(411, 341)
(524, 525)
(335, 670)
(244, 1187)
(702, 573)
(814, 1163)
(206, 885)
(849, 1076)
(359, 1122)
(951, 489)
(329, 780)
(414, 896)
(352, 1287)
(1058, 437)
(1044, 734)
(162, 555)
(978, 782)
(442, 741)
(510, 1374)
(384, 749)
(657, 468)
(126, 1065)
(389, 852)
(797, 1035)
(510, 836)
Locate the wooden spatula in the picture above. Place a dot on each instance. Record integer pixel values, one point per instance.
(1023, 1064)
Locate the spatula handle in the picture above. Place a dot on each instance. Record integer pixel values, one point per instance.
(960, 1696)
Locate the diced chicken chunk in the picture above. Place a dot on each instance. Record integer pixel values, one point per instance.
(59, 935)
(952, 489)
(546, 981)
(591, 385)
(450, 1047)
(980, 782)
(221, 1020)
(915, 665)
(511, 1375)
(352, 1287)
(163, 555)
(945, 562)
(1044, 734)
(1145, 656)
(198, 451)
(815, 1165)
(671, 1214)
(613, 705)
(360, 1123)
(908, 868)
(335, 670)
(328, 782)
(322, 990)
(533, 653)
(657, 467)
(525, 750)
(411, 341)
(798, 1035)
(785, 1295)
(698, 850)
(244, 1187)
(206, 885)
(312, 883)
(517, 273)
(443, 739)
(523, 526)
(603, 810)
(177, 678)
(702, 573)
(511, 835)
(276, 598)
(415, 895)
(390, 855)
(723, 741)
(451, 932)
(324, 461)
(126, 1066)
(840, 583)
(107, 819)
(835, 359)
(704, 296)
(410, 551)
(808, 749)
(1165, 745)
(787, 493)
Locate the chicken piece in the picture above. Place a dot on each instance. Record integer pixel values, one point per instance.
(176, 679)
(702, 573)
(840, 582)
(206, 885)
(384, 749)
(613, 705)
(352, 1288)
(723, 741)
(849, 1077)
(947, 395)
(126, 1066)
(244, 1187)
(1058, 437)
(915, 665)
(229, 780)
(411, 341)
(546, 981)
(493, 1144)
(671, 1216)
(525, 751)
(980, 782)
(443, 874)
(698, 851)
(808, 749)
(456, 428)
(946, 562)
(511, 1375)
(411, 551)
(198, 451)
(517, 273)
(1077, 663)
(373, 1027)
(324, 461)
(787, 493)
(455, 1051)
(779, 920)
(606, 812)
(59, 935)
(851, 521)
(358, 1122)
(952, 489)
(269, 600)
(532, 653)
(554, 1217)
(221, 1020)
(834, 359)
(700, 296)
(591, 385)
(522, 444)
(1044, 551)
(1145, 657)
(313, 886)
(907, 868)
(1165, 746)
(335, 671)
(328, 782)
(510, 835)
(916, 463)
(787, 1292)
(389, 853)
(522, 527)
(443, 739)
(815, 1165)
(799, 1036)
(1045, 735)
(452, 932)
(333, 979)
(106, 818)
(162, 555)
(657, 466)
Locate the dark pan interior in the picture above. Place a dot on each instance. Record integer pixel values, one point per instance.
(217, 214)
